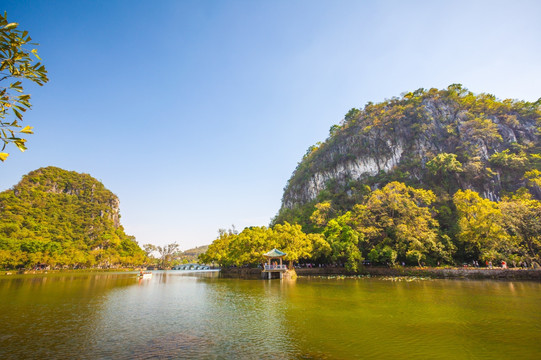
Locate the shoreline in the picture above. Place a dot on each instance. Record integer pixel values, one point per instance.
(514, 274)
(9, 273)
(434, 273)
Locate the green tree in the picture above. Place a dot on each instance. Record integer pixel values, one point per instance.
(352, 115)
(322, 214)
(442, 166)
(321, 250)
(383, 254)
(480, 227)
(400, 216)
(533, 177)
(218, 251)
(63, 218)
(344, 242)
(249, 246)
(291, 240)
(444, 163)
(509, 160)
(18, 63)
(482, 129)
(334, 129)
(522, 218)
(167, 253)
(149, 249)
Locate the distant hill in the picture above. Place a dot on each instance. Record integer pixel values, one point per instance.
(63, 219)
(191, 255)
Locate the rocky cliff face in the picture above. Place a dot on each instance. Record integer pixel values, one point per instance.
(394, 140)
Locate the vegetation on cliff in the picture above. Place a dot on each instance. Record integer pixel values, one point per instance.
(437, 176)
(439, 140)
(63, 219)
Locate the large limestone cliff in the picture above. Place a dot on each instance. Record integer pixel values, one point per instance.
(394, 140)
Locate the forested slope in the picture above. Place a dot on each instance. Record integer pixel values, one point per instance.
(435, 177)
(63, 218)
(442, 140)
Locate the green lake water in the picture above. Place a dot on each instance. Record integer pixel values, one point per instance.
(181, 315)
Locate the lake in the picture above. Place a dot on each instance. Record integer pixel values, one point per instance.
(178, 315)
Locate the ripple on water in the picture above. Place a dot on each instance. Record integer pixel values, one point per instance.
(179, 317)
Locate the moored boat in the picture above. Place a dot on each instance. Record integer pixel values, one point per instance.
(145, 275)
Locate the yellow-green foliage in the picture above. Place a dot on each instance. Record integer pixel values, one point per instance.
(248, 247)
(450, 139)
(62, 218)
(18, 64)
(344, 241)
(401, 217)
(453, 149)
(522, 219)
(481, 227)
(397, 223)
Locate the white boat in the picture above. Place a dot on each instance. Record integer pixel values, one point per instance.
(145, 275)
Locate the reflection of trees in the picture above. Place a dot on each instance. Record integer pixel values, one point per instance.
(252, 313)
(52, 316)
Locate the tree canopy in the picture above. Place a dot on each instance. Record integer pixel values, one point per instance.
(63, 219)
(433, 176)
(397, 224)
(19, 64)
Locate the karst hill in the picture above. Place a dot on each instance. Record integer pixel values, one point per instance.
(63, 218)
(442, 140)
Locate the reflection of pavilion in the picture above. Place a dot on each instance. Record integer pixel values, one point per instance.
(271, 268)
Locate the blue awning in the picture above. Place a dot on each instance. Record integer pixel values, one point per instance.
(275, 253)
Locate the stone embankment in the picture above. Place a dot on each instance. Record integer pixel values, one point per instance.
(247, 273)
(437, 273)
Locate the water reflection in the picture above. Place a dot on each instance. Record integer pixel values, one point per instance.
(197, 315)
(429, 319)
(44, 316)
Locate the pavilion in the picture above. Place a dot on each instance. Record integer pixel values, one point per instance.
(271, 268)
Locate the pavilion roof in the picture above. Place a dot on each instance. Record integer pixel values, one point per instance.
(275, 253)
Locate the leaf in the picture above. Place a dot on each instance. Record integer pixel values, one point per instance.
(3, 156)
(35, 52)
(27, 130)
(18, 114)
(10, 26)
(20, 145)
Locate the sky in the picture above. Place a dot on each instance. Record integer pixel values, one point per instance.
(196, 113)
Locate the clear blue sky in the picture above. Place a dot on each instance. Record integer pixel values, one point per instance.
(195, 113)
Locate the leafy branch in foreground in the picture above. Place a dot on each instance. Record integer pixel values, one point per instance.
(18, 63)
